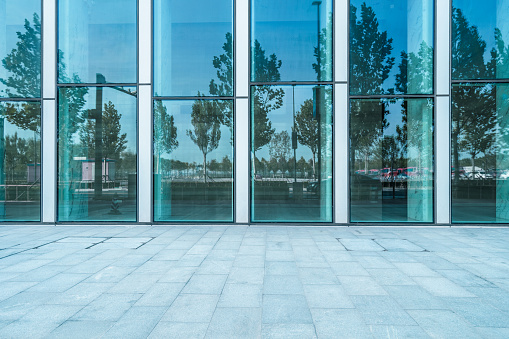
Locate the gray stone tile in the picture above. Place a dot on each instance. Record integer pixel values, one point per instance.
(214, 267)
(497, 297)
(282, 284)
(59, 283)
(241, 295)
(205, 284)
(107, 307)
(249, 261)
(28, 329)
(279, 255)
(385, 332)
(443, 324)
(137, 322)
(386, 277)
(178, 274)
(161, 294)
(320, 276)
(194, 308)
(442, 287)
(281, 268)
(12, 288)
(416, 270)
(283, 331)
(235, 323)
(465, 278)
(415, 297)
(285, 309)
(366, 245)
(111, 274)
(327, 296)
(165, 329)
(20, 304)
(381, 310)
(361, 286)
(81, 329)
(339, 323)
(478, 313)
(348, 268)
(493, 333)
(51, 313)
(246, 275)
(135, 283)
(80, 294)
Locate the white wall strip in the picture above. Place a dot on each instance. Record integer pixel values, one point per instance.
(145, 153)
(341, 153)
(242, 160)
(49, 49)
(49, 161)
(443, 163)
(341, 39)
(145, 41)
(241, 39)
(443, 47)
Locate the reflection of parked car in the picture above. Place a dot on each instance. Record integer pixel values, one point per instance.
(314, 186)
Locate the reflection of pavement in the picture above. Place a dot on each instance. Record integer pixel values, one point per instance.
(192, 211)
(99, 210)
(24, 211)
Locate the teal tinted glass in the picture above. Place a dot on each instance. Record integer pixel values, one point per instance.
(480, 36)
(193, 48)
(193, 160)
(391, 160)
(479, 143)
(291, 153)
(97, 157)
(97, 37)
(20, 164)
(20, 48)
(285, 36)
(391, 47)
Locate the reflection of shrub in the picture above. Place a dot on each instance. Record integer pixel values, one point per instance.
(271, 190)
(475, 189)
(209, 191)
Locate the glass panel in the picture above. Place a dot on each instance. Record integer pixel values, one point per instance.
(284, 39)
(20, 167)
(193, 48)
(20, 48)
(193, 160)
(97, 154)
(479, 32)
(291, 159)
(391, 160)
(480, 163)
(391, 47)
(97, 37)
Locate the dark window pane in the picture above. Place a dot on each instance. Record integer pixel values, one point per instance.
(480, 163)
(391, 160)
(480, 31)
(20, 165)
(285, 36)
(97, 154)
(20, 48)
(291, 145)
(391, 47)
(193, 160)
(97, 37)
(193, 48)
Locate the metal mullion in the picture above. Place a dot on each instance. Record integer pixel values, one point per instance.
(167, 98)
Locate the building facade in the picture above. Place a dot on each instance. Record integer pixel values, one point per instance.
(254, 111)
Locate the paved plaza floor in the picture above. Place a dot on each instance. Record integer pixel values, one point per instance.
(253, 282)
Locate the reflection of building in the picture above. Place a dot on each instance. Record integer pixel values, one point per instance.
(289, 113)
(88, 170)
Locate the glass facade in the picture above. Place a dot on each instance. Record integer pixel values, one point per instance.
(237, 111)
(292, 36)
(193, 161)
(20, 110)
(193, 48)
(291, 148)
(97, 38)
(97, 154)
(391, 150)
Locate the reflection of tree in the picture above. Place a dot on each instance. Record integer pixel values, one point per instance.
(370, 63)
(473, 106)
(323, 53)
(307, 129)
(224, 87)
(265, 98)
(420, 77)
(113, 143)
(207, 128)
(16, 157)
(165, 133)
(280, 147)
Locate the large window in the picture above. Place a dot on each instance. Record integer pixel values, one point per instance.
(193, 130)
(291, 148)
(97, 110)
(479, 141)
(291, 122)
(20, 110)
(391, 111)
